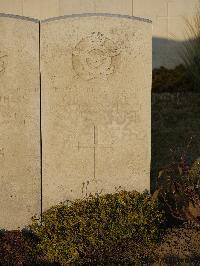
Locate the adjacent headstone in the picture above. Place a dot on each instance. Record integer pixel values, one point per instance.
(96, 105)
(19, 121)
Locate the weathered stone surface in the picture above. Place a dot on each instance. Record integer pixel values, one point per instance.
(96, 105)
(168, 18)
(19, 121)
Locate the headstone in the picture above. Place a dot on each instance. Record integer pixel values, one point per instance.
(96, 105)
(19, 121)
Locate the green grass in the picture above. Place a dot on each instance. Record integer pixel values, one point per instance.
(175, 119)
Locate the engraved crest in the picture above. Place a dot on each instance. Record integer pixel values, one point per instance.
(93, 57)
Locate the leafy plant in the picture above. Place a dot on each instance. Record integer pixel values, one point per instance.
(114, 228)
(190, 53)
(178, 188)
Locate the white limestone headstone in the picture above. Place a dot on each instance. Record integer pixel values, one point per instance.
(19, 121)
(96, 105)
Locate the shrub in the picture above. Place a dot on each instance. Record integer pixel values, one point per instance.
(178, 189)
(190, 53)
(171, 80)
(113, 228)
(17, 248)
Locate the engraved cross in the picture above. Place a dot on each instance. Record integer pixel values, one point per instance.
(94, 147)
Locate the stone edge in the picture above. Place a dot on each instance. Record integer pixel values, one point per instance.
(19, 17)
(97, 15)
(74, 16)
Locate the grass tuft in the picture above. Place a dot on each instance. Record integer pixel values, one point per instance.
(190, 54)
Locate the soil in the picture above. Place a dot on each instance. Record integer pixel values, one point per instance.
(180, 245)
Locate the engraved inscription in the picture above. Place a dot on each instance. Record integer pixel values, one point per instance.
(119, 121)
(122, 122)
(2, 62)
(93, 57)
(2, 153)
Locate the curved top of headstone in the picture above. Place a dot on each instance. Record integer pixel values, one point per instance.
(75, 15)
(19, 17)
(97, 15)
